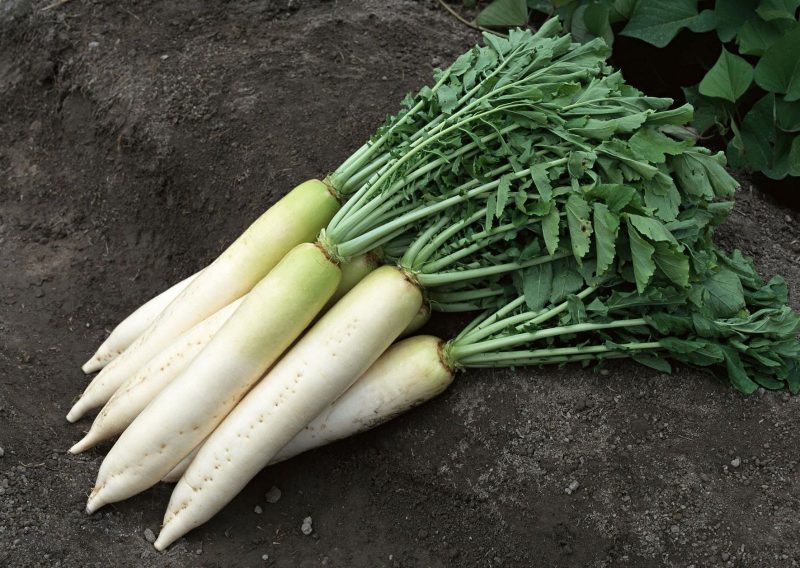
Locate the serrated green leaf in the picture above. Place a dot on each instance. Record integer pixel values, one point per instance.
(651, 228)
(707, 111)
(723, 295)
(580, 227)
(730, 15)
(695, 352)
(537, 285)
(692, 177)
(736, 372)
(606, 227)
(550, 230)
(490, 210)
(661, 195)
(542, 181)
(576, 309)
(642, 258)
(654, 362)
(728, 79)
(503, 14)
(566, 280)
(779, 68)
(673, 263)
(652, 145)
(658, 22)
(616, 196)
(603, 129)
(448, 98)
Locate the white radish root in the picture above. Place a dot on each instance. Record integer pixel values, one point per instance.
(133, 326)
(270, 318)
(315, 372)
(297, 218)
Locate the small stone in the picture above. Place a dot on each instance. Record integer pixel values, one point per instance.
(149, 536)
(273, 495)
(258, 510)
(572, 487)
(725, 556)
(2, 452)
(94, 44)
(306, 527)
(788, 218)
(736, 462)
(164, 57)
(674, 529)
(199, 551)
(265, 557)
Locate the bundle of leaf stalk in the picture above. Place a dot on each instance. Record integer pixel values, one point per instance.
(531, 184)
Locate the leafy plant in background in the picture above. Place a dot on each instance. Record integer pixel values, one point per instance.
(751, 95)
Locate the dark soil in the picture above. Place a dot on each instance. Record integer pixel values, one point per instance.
(137, 139)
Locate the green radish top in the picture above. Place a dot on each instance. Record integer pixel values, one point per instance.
(728, 320)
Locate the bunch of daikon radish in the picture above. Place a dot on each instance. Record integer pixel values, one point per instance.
(529, 183)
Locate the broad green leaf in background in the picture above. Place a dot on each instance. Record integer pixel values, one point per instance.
(728, 79)
(760, 145)
(750, 147)
(787, 114)
(731, 14)
(657, 21)
(778, 70)
(596, 20)
(504, 14)
(756, 35)
(543, 6)
(777, 9)
(622, 10)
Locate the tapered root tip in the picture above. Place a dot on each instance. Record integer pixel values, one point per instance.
(76, 412)
(87, 442)
(92, 505)
(91, 366)
(165, 538)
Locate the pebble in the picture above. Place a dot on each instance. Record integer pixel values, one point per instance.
(149, 536)
(306, 527)
(675, 529)
(736, 462)
(572, 487)
(273, 495)
(788, 218)
(265, 557)
(2, 452)
(725, 556)
(258, 510)
(95, 44)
